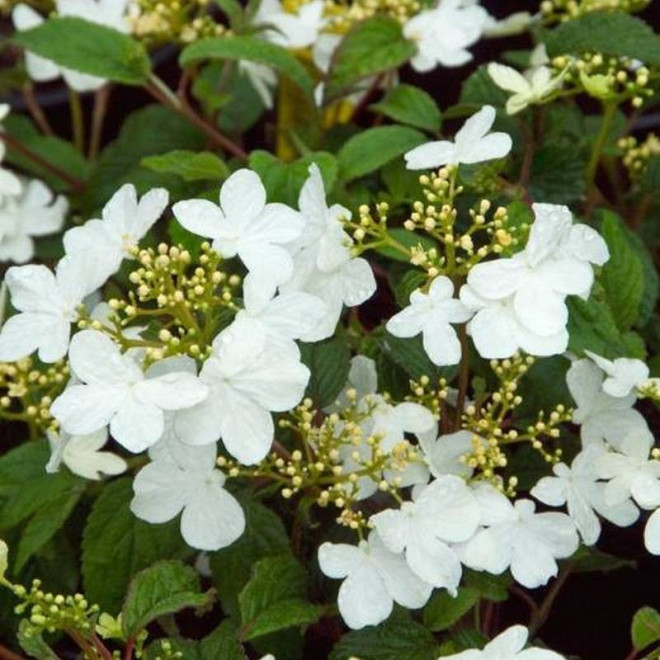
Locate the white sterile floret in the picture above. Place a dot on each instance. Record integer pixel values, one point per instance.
(508, 645)
(245, 225)
(34, 212)
(444, 512)
(622, 375)
(516, 537)
(631, 472)
(47, 305)
(374, 579)
(578, 488)
(652, 533)
(10, 184)
(110, 13)
(556, 262)
(114, 390)
(290, 29)
(600, 416)
(443, 34)
(248, 377)
(185, 480)
(533, 86)
(474, 143)
(322, 259)
(82, 455)
(443, 453)
(432, 314)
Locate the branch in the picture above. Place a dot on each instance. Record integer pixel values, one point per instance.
(539, 617)
(6, 654)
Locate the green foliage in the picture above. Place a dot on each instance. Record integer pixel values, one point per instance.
(645, 628)
(34, 645)
(590, 560)
(222, 643)
(189, 165)
(557, 175)
(609, 33)
(412, 106)
(443, 610)
(411, 356)
(479, 89)
(371, 48)
(89, 48)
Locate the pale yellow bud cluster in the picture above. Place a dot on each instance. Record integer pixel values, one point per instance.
(650, 390)
(166, 651)
(636, 155)
(428, 394)
(343, 14)
(564, 10)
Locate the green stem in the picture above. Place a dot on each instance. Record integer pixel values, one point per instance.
(609, 110)
(77, 121)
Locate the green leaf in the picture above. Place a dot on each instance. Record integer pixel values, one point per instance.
(408, 239)
(645, 628)
(651, 281)
(164, 588)
(233, 10)
(609, 33)
(329, 361)
(372, 47)
(491, 587)
(222, 643)
(443, 610)
(622, 276)
(231, 567)
(399, 638)
(590, 560)
(253, 50)
(116, 545)
(479, 90)
(34, 645)
(412, 106)
(283, 181)
(89, 48)
(557, 175)
(411, 356)
(371, 149)
(412, 279)
(274, 598)
(189, 165)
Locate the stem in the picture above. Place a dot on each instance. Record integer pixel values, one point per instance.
(6, 654)
(101, 99)
(464, 376)
(35, 110)
(526, 598)
(609, 110)
(76, 184)
(162, 93)
(539, 617)
(128, 649)
(77, 121)
(101, 647)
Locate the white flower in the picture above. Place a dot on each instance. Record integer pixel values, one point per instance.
(536, 85)
(630, 473)
(444, 34)
(110, 13)
(432, 314)
(652, 533)
(115, 391)
(322, 263)
(623, 374)
(32, 213)
(47, 304)
(508, 645)
(288, 29)
(262, 78)
(375, 579)
(10, 184)
(246, 226)
(247, 378)
(498, 333)
(472, 144)
(126, 220)
(80, 453)
(184, 479)
(578, 488)
(518, 538)
(555, 263)
(443, 453)
(445, 512)
(601, 416)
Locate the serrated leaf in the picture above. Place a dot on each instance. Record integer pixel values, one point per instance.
(557, 175)
(251, 49)
(329, 362)
(89, 48)
(164, 588)
(116, 545)
(645, 629)
(491, 587)
(372, 47)
(609, 33)
(412, 279)
(443, 610)
(189, 165)
(479, 90)
(371, 149)
(412, 106)
(649, 299)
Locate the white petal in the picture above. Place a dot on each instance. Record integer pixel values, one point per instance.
(199, 216)
(137, 425)
(652, 533)
(173, 391)
(540, 309)
(95, 358)
(243, 194)
(161, 491)
(508, 643)
(442, 345)
(363, 599)
(407, 323)
(431, 155)
(434, 562)
(83, 409)
(508, 79)
(336, 560)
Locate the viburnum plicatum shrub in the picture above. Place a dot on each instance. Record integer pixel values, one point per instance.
(336, 363)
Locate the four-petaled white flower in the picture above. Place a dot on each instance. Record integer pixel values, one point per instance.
(508, 645)
(114, 390)
(432, 314)
(443, 34)
(110, 13)
(600, 416)
(10, 184)
(245, 225)
(47, 304)
(126, 220)
(622, 374)
(80, 453)
(289, 29)
(444, 512)
(247, 377)
(34, 212)
(183, 479)
(474, 143)
(578, 488)
(374, 579)
(516, 537)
